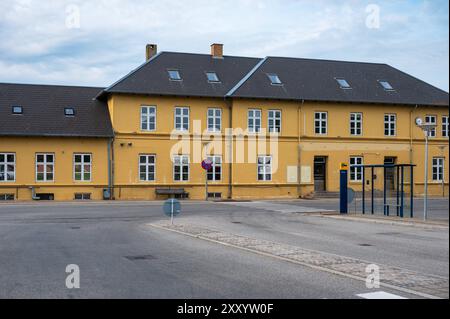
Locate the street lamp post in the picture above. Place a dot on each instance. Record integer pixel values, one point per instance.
(427, 128)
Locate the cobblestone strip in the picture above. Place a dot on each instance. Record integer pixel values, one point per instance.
(428, 286)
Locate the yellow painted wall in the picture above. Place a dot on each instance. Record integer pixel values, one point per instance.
(63, 187)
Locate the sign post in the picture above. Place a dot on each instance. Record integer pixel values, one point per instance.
(172, 208)
(343, 188)
(206, 165)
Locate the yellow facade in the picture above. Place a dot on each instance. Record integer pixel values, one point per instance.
(296, 148)
(63, 186)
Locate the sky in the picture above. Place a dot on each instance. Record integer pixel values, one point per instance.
(95, 43)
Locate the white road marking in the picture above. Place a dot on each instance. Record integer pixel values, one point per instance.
(380, 295)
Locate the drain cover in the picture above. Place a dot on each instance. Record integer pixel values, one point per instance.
(236, 222)
(365, 245)
(140, 257)
(75, 227)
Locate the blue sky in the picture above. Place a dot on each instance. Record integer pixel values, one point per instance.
(45, 42)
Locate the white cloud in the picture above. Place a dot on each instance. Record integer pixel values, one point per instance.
(36, 45)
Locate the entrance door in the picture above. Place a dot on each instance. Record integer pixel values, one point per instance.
(320, 173)
(390, 172)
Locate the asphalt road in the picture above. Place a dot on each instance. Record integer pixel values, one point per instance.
(120, 257)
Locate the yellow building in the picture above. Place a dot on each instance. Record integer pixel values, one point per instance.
(273, 128)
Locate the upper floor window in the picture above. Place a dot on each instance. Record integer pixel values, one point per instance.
(212, 77)
(215, 173)
(274, 120)
(182, 118)
(274, 79)
(386, 85)
(431, 120)
(214, 120)
(254, 120)
(320, 122)
(174, 75)
(45, 164)
(356, 172)
(343, 83)
(445, 128)
(356, 124)
(390, 124)
(17, 110)
(181, 168)
(69, 111)
(438, 169)
(147, 165)
(7, 167)
(148, 118)
(82, 167)
(264, 168)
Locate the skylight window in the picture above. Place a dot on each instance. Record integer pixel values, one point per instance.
(68, 111)
(17, 110)
(343, 83)
(174, 75)
(212, 77)
(274, 79)
(386, 85)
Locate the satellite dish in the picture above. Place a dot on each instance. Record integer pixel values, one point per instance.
(419, 121)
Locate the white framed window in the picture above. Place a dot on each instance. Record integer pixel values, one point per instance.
(148, 118)
(390, 124)
(212, 77)
(356, 124)
(82, 167)
(445, 128)
(343, 83)
(274, 121)
(7, 167)
(181, 118)
(174, 75)
(356, 172)
(386, 85)
(147, 167)
(254, 120)
(214, 120)
(181, 168)
(431, 120)
(438, 169)
(274, 79)
(320, 122)
(265, 168)
(45, 167)
(215, 173)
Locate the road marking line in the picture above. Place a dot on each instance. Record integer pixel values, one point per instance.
(380, 295)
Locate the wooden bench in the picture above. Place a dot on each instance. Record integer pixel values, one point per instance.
(172, 192)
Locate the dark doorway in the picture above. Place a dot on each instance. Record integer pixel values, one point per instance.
(390, 172)
(320, 173)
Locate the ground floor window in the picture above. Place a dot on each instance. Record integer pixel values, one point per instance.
(45, 166)
(82, 167)
(438, 169)
(356, 172)
(147, 164)
(215, 173)
(264, 168)
(181, 168)
(7, 167)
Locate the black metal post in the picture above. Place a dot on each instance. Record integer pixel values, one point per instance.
(372, 191)
(402, 191)
(386, 212)
(411, 188)
(363, 190)
(397, 190)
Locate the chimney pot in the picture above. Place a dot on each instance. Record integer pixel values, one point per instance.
(217, 50)
(150, 51)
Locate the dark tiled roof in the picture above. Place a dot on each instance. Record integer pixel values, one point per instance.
(43, 111)
(308, 79)
(152, 77)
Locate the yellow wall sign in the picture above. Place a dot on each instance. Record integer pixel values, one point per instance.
(343, 166)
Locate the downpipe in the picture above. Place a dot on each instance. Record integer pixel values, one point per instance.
(33, 194)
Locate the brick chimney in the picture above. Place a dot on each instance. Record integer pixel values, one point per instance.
(150, 51)
(217, 50)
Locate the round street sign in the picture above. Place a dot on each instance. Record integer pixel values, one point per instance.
(207, 164)
(172, 206)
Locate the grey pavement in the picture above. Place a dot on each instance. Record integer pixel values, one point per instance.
(119, 257)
